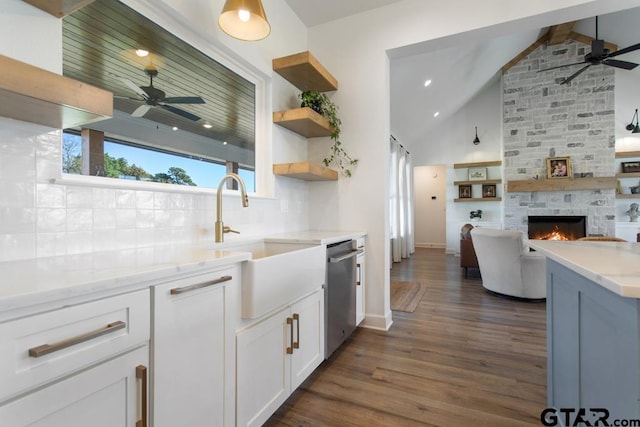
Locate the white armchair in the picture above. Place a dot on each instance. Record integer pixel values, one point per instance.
(507, 266)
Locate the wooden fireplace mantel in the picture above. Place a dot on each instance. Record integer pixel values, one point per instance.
(561, 184)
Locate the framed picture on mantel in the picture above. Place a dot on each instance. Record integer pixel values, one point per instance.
(559, 167)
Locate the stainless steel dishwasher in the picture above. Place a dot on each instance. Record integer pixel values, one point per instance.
(340, 294)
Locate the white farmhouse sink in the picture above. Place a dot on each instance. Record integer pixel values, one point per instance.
(279, 273)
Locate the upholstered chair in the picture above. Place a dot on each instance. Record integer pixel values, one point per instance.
(507, 265)
(468, 257)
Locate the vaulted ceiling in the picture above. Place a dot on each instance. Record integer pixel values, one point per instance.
(458, 73)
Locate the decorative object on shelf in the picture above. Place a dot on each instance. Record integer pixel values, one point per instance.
(619, 188)
(477, 214)
(320, 103)
(633, 212)
(244, 20)
(559, 167)
(476, 141)
(631, 127)
(488, 190)
(635, 189)
(464, 191)
(630, 167)
(477, 174)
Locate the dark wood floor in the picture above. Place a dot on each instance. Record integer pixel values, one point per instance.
(463, 358)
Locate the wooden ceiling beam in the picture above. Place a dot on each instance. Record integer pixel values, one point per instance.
(542, 40)
(558, 34)
(587, 40)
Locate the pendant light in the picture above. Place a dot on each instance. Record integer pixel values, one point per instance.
(476, 141)
(244, 20)
(631, 127)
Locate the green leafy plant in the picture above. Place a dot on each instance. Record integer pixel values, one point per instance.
(321, 104)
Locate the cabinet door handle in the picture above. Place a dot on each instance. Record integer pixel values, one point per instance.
(290, 323)
(296, 317)
(178, 291)
(141, 374)
(359, 268)
(44, 349)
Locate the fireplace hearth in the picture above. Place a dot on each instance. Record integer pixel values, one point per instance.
(557, 227)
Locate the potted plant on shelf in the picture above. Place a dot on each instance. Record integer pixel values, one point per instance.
(321, 104)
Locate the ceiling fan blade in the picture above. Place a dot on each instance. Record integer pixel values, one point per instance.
(574, 75)
(131, 85)
(184, 100)
(141, 110)
(625, 50)
(563, 66)
(625, 65)
(180, 112)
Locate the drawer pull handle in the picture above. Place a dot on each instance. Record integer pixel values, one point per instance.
(296, 317)
(44, 349)
(178, 291)
(290, 323)
(141, 374)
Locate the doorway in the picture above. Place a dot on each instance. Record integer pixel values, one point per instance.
(430, 184)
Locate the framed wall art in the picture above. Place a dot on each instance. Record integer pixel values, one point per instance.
(488, 190)
(464, 191)
(477, 174)
(559, 167)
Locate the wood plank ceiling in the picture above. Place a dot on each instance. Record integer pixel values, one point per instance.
(99, 43)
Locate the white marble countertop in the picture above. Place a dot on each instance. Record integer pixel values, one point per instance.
(315, 237)
(613, 265)
(47, 283)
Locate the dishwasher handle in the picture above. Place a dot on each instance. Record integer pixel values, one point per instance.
(354, 252)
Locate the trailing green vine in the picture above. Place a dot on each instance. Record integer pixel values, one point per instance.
(320, 103)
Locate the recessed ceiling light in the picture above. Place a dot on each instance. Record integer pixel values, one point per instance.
(436, 114)
(207, 126)
(175, 128)
(142, 53)
(224, 143)
(427, 83)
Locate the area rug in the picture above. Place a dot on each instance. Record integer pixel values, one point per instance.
(405, 296)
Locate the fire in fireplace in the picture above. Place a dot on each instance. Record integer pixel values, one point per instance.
(557, 227)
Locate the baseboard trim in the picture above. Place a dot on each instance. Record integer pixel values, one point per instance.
(379, 323)
(431, 245)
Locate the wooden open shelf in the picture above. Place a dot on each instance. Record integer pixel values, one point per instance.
(477, 164)
(34, 95)
(486, 181)
(479, 199)
(303, 121)
(305, 72)
(305, 171)
(59, 8)
(627, 196)
(628, 175)
(625, 154)
(562, 184)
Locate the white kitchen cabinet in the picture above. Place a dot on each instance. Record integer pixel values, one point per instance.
(113, 393)
(360, 282)
(275, 355)
(80, 365)
(193, 350)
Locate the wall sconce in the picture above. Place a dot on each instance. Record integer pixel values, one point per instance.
(476, 141)
(244, 20)
(631, 127)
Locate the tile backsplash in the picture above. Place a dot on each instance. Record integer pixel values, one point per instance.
(40, 218)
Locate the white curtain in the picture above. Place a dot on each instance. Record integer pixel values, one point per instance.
(401, 202)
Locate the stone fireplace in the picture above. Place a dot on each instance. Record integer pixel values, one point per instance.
(552, 227)
(541, 119)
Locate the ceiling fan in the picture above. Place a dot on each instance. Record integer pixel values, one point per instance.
(599, 55)
(154, 97)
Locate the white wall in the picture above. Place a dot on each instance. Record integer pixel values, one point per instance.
(430, 190)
